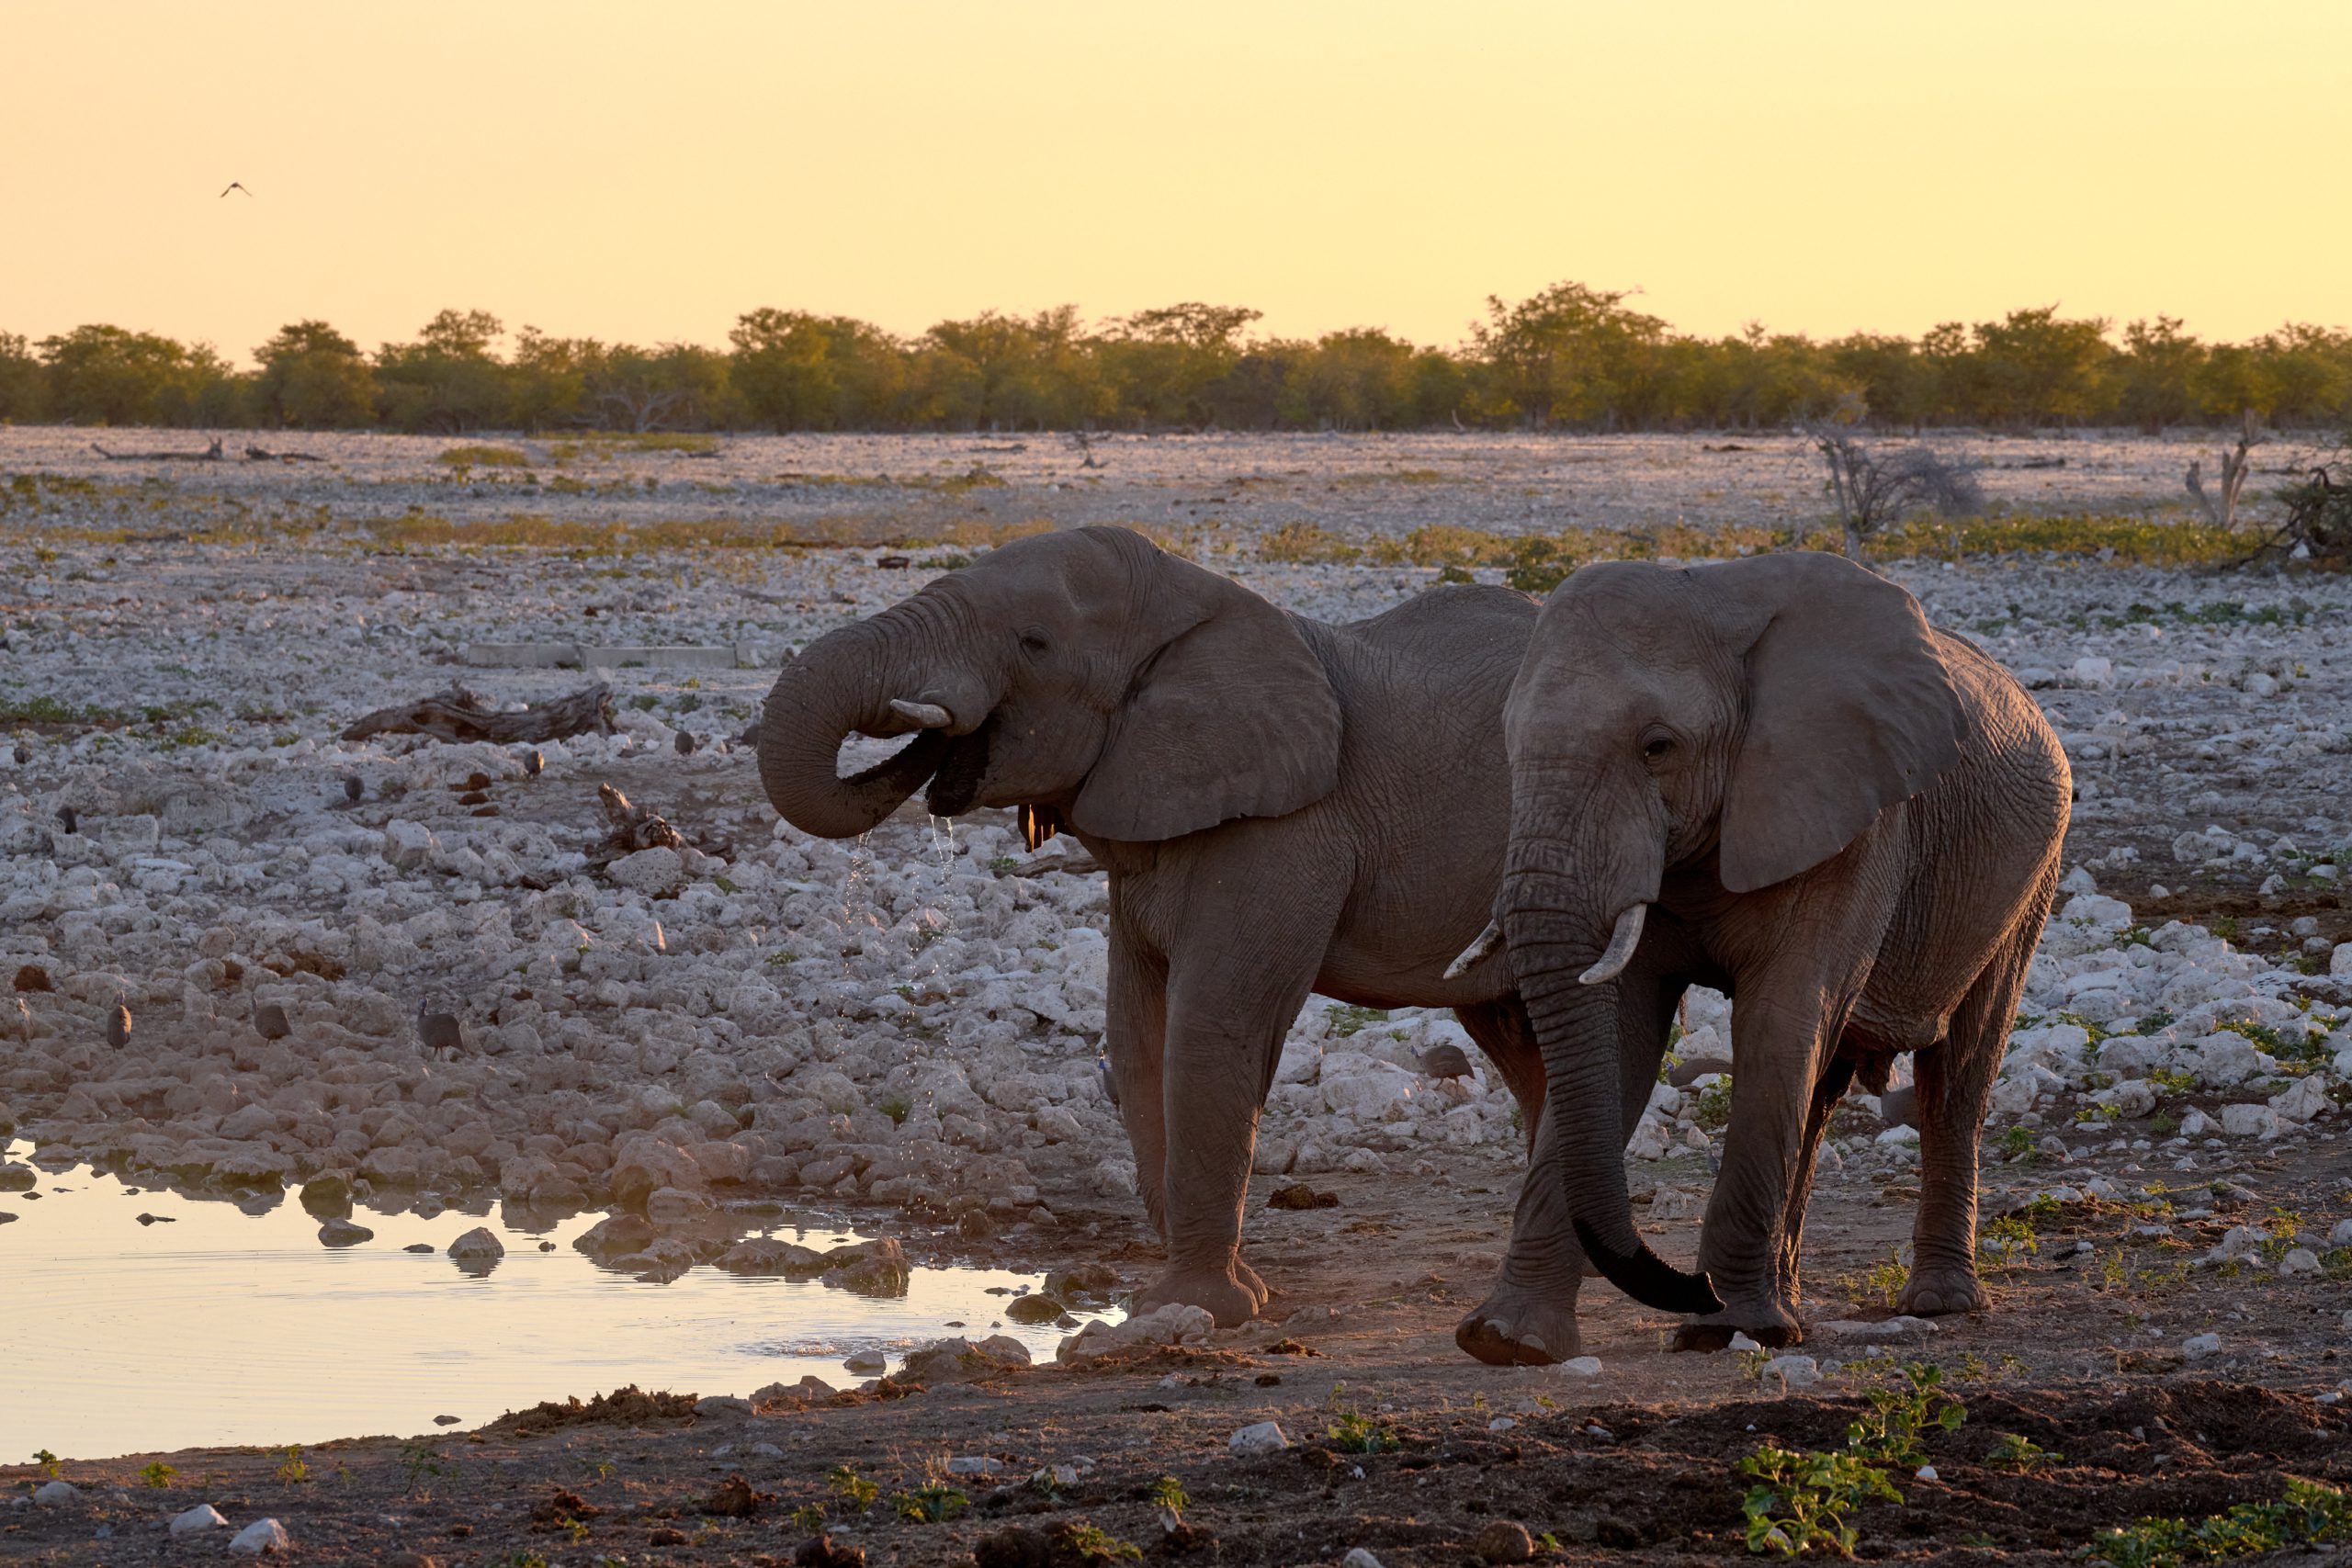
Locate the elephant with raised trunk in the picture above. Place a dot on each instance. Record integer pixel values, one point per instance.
(1281, 805)
(1774, 777)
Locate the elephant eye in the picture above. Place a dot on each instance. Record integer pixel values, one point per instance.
(1033, 645)
(1656, 745)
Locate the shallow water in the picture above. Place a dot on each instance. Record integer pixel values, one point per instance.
(220, 1326)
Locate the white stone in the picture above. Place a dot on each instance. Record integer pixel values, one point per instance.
(203, 1517)
(1926, 1472)
(1580, 1367)
(1893, 1330)
(2339, 963)
(1174, 1323)
(2302, 1100)
(2298, 1261)
(1794, 1372)
(1261, 1437)
(56, 1493)
(261, 1536)
(2249, 1122)
(2197, 1346)
(656, 873)
(1358, 1557)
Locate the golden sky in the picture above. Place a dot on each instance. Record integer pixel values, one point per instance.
(649, 172)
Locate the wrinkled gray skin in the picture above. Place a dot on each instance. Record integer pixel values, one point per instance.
(1280, 805)
(1845, 818)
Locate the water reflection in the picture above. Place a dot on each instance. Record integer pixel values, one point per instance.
(142, 1319)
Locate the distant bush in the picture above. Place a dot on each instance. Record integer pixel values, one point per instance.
(1569, 356)
(484, 458)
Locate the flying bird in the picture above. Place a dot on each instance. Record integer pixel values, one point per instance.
(234, 185)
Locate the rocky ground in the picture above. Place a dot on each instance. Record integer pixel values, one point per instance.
(906, 1026)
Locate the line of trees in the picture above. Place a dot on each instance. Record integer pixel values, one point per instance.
(1571, 356)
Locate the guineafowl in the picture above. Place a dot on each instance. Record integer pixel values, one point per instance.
(439, 1032)
(119, 1023)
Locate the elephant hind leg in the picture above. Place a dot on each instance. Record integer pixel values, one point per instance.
(1506, 1036)
(1955, 1089)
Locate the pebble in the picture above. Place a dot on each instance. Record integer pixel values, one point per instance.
(261, 1536)
(1794, 1372)
(1580, 1367)
(865, 1363)
(1894, 1330)
(1926, 1473)
(195, 1520)
(1358, 1557)
(343, 1232)
(2197, 1346)
(56, 1493)
(1258, 1437)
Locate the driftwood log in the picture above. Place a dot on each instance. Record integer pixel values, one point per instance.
(460, 714)
(209, 455)
(264, 455)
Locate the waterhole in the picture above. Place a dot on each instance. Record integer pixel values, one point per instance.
(210, 1325)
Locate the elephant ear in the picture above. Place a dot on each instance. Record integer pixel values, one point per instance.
(1232, 717)
(1850, 708)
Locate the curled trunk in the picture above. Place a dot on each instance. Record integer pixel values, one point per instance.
(843, 683)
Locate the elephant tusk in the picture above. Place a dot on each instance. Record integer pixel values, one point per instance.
(929, 716)
(1481, 948)
(1621, 942)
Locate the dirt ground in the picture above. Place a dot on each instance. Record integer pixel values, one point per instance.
(2228, 708)
(2081, 1354)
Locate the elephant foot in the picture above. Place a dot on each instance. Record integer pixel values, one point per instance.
(1516, 1327)
(1936, 1292)
(1771, 1324)
(1231, 1295)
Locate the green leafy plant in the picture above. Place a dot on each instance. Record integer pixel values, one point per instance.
(1883, 1282)
(292, 1468)
(932, 1502)
(2021, 1453)
(852, 1487)
(158, 1474)
(1800, 1501)
(2008, 1240)
(1900, 1418)
(423, 1458)
(1351, 1432)
(1088, 1543)
(1168, 1496)
(2017, 1145)
(808, 1517)
(2308, 1513)
(48, 1462)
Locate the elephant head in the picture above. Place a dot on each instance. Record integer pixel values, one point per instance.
(1087, 674)
(1763, 711)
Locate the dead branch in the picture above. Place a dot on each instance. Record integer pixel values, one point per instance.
(264, 455)
(458, 715)
(209, 455)
(2235, 467)
(634, 828)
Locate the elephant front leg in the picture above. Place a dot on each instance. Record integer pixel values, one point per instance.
(1529, 1319)
(1134, 1044)
(1227, 1014)
(1784, 1085)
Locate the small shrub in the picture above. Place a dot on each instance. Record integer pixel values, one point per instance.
(852, 1487)
(158, 1475)
(932, 1502)
(291, 1470)
(1900, 1418)
(483, 458)
(2021, 1453)
(1801, 1501)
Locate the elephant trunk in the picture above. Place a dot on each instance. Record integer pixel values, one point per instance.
(1568, 954)
(855, 679)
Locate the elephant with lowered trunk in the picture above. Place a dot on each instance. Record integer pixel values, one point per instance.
(1283, 805)
(1774, 777)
